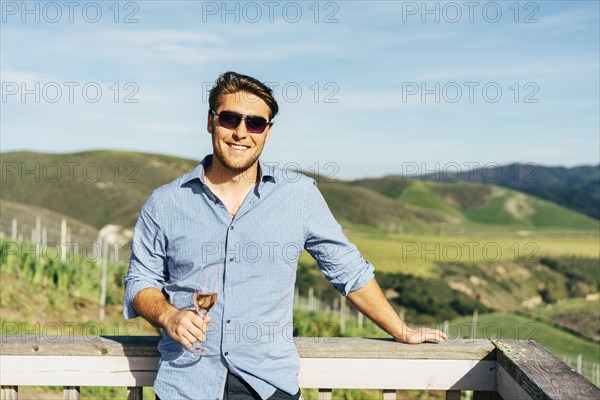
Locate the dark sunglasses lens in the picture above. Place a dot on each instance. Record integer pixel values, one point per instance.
(256, 124)
(229, 120)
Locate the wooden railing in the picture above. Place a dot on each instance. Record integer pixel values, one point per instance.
(502, 369)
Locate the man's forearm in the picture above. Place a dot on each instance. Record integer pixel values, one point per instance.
(371, 301)
(152, 304)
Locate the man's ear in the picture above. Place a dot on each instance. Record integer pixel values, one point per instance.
(268, 133)
(210, 123)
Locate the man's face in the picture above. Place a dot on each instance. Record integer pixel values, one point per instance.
(237, 149)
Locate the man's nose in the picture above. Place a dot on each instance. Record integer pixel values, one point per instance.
(240, 132)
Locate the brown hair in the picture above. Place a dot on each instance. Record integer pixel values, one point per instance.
(231, 82)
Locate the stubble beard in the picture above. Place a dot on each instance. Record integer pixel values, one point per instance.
(237, 167)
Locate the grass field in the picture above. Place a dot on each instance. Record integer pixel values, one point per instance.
(569, 306)
(418, 254)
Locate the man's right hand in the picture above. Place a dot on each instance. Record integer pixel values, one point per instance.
(186, 327)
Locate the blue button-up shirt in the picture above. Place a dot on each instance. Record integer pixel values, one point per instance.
(183, 226)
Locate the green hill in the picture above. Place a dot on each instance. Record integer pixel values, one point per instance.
(577, 188)
(468, 207)
(102, 187)
(95, 187)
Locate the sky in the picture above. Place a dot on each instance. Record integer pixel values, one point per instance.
(365, 88)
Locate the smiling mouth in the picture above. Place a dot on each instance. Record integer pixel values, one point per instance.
(238, 147)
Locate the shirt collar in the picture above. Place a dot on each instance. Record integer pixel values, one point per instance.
(267, 172)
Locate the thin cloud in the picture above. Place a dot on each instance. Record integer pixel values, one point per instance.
(11, 75)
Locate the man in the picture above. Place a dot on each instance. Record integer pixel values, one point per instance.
(252, 220)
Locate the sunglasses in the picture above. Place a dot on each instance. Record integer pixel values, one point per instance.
(231, 120)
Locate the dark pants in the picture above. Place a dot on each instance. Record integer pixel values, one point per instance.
(237, 389)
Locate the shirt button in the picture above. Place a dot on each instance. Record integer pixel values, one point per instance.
(231, 227)
(226, 353)
(229, 289)
(231, 259)
(228, 321)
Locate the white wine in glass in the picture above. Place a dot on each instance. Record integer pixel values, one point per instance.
(204, 302)
(205, 297)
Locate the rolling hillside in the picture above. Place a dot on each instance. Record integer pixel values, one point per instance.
(462, 207)
(577, 188)
(96, 187)
(102, 187)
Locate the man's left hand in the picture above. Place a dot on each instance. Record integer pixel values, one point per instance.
(421, 335)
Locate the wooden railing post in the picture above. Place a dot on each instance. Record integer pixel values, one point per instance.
(70, 392)
(135, 393)
(325, 394)
(9, 393)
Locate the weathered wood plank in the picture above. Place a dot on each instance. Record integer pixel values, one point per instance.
(135, 393)
(26, 345)
(71, 393)
(387, 348)
(77, 371)
(397, 374)
(540, 373)
(314, 372)
(307, 347)
(325, 394)
(508, 388)
(9, 393)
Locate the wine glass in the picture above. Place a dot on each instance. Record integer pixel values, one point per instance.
(203, 299)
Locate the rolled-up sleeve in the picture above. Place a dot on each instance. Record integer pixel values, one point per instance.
(148, 265)
(338, 259)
